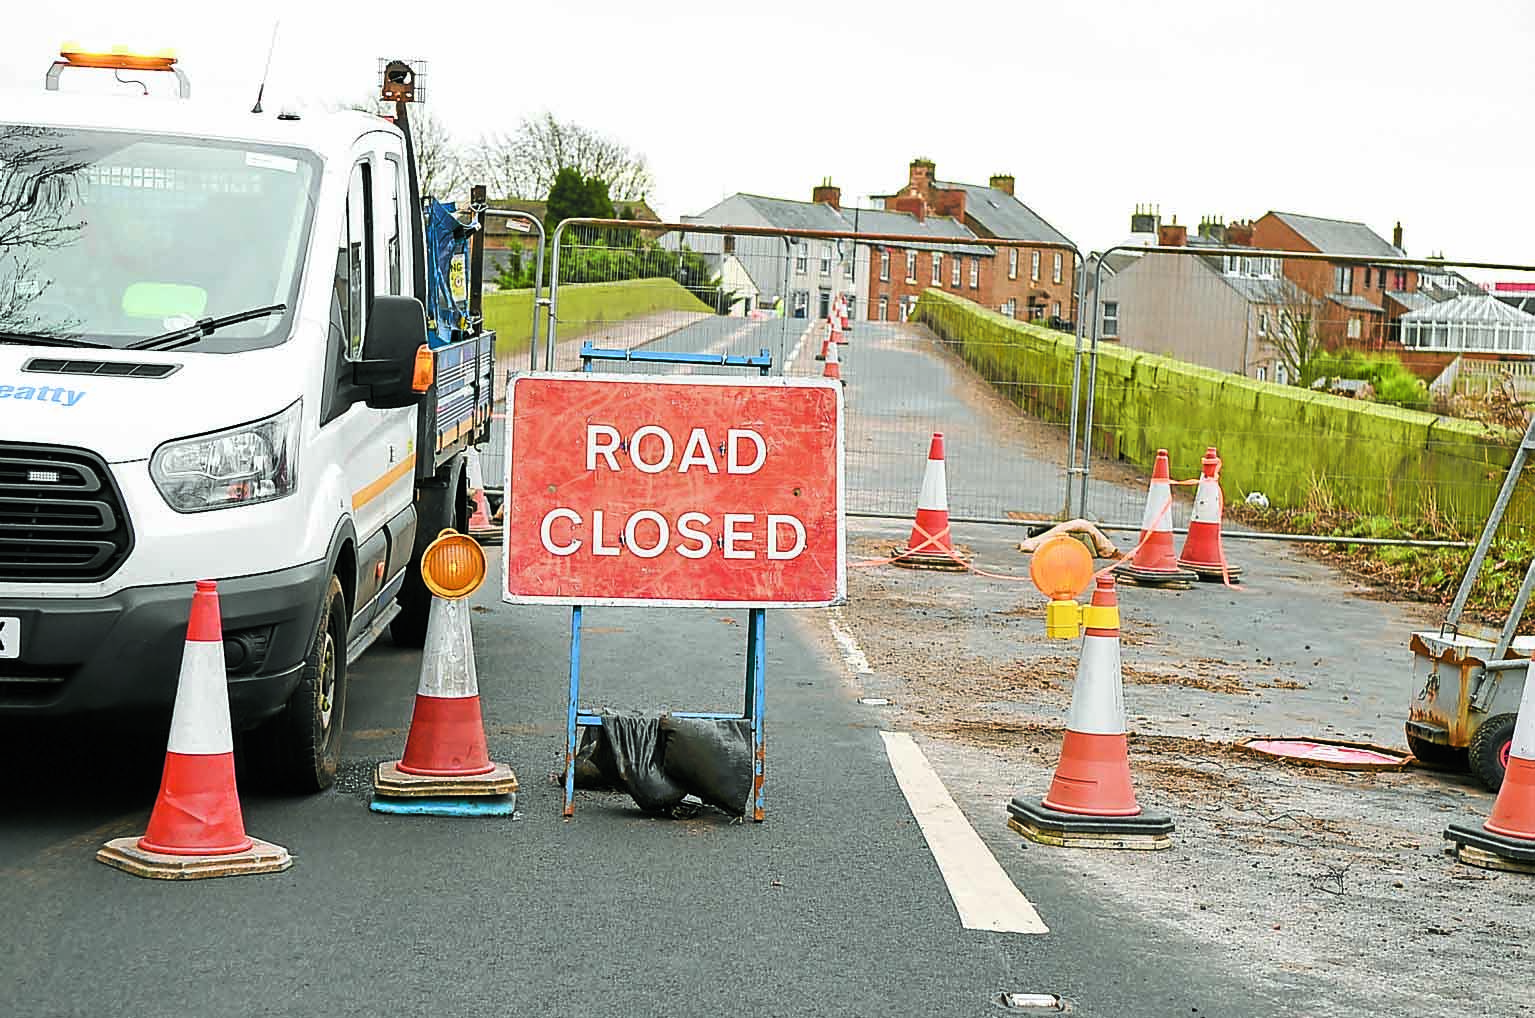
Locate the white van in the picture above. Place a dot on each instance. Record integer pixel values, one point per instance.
(214, 365)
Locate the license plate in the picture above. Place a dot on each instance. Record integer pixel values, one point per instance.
(10, 637)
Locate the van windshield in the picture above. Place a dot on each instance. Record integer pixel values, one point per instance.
(111, 237)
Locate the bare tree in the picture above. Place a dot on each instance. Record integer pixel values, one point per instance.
(1296, 334)
(525, 163)
(39, 209)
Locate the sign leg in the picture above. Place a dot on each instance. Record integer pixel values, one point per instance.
(570, 712)
(756, 655)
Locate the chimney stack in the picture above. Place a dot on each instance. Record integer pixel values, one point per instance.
(915, 206)
(1239, 234)
(1144, 220)
(828, 193)
(921, 174)
(1172, 235)
(1396, 237)
(1003, 182)
(1213, 229)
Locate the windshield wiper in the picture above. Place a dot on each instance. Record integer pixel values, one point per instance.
(200, 330)
(41, 339)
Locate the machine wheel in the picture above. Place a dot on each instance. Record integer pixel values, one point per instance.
(1436, 754)
(1489, 750)
(299, 749)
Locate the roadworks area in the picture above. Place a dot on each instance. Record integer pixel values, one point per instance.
(1330, 887)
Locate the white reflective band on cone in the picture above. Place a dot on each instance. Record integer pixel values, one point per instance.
(1523, 745)
(935, 488)
(1098, 699)
(447, 657)
(200, 719)
(1207, 502)
(1161, 494)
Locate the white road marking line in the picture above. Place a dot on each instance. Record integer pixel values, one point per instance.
(984, 895)
(851, 652)
(794, 354)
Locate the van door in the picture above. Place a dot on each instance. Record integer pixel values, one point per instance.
(377, 463)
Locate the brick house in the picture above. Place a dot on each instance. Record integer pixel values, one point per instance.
(891, 276)
(1360, 302)
(1037, 280)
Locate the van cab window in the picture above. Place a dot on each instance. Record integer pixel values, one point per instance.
(354, 263)
(113, 237)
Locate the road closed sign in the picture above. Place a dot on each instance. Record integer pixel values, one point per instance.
(674, 490)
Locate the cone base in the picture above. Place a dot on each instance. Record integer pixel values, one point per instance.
(1209, 572)
(126, 855)
(959, 562)
(1143, 577)
(448, 806)
(389, 780)
(1477, 846)
(1144, 832)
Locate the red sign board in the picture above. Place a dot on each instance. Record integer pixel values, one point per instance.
(683, 490)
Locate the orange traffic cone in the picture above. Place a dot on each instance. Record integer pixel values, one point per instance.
(930, 544)
(446, 769)
(833, 367)
(842, 314)
(1091, 801)
(1507, 840)
(1202, 551)
(196, 828)
(1155, 562)
(825, 345)
(837, 337)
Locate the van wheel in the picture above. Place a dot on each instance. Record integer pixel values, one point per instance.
(1489, 749)
(300, 748)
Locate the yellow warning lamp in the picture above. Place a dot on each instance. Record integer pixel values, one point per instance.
(453, 566)
(1061, 569)
(118, 58)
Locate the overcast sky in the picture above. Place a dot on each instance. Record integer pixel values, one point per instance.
(1372, 111)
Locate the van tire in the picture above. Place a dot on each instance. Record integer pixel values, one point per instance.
(299, 750)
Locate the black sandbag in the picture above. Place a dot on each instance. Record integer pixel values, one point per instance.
(712, 759)
(595, 770)
(636, 747)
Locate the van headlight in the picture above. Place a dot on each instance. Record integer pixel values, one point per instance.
(241, 466)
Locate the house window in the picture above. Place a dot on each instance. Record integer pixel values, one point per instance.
(826, 259)
(1263, 374)
(730, 244)
(1257, 268)
(801, 303)
(1057, 266)
(1401, 280)
(1010, 309)
(975, 273)
(954, 277)
(911, 266)
(1034, 265)
(1111, 318)
(884, 309)
(1343, 279)
(1281, 374)
(1012, 263)
(801, 260)
(1055, 309)
(937, 269)
(1263, 323)
(1353, 328)
(884, 268)
(906, 303)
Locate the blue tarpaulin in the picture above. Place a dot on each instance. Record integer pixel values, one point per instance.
(447, 239)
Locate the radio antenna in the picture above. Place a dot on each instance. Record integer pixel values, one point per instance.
(267, 70)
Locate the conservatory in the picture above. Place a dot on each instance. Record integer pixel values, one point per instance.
(1479, 324)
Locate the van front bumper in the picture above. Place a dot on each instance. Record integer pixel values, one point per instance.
(123, 652)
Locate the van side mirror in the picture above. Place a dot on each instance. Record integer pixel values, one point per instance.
(387, 371)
